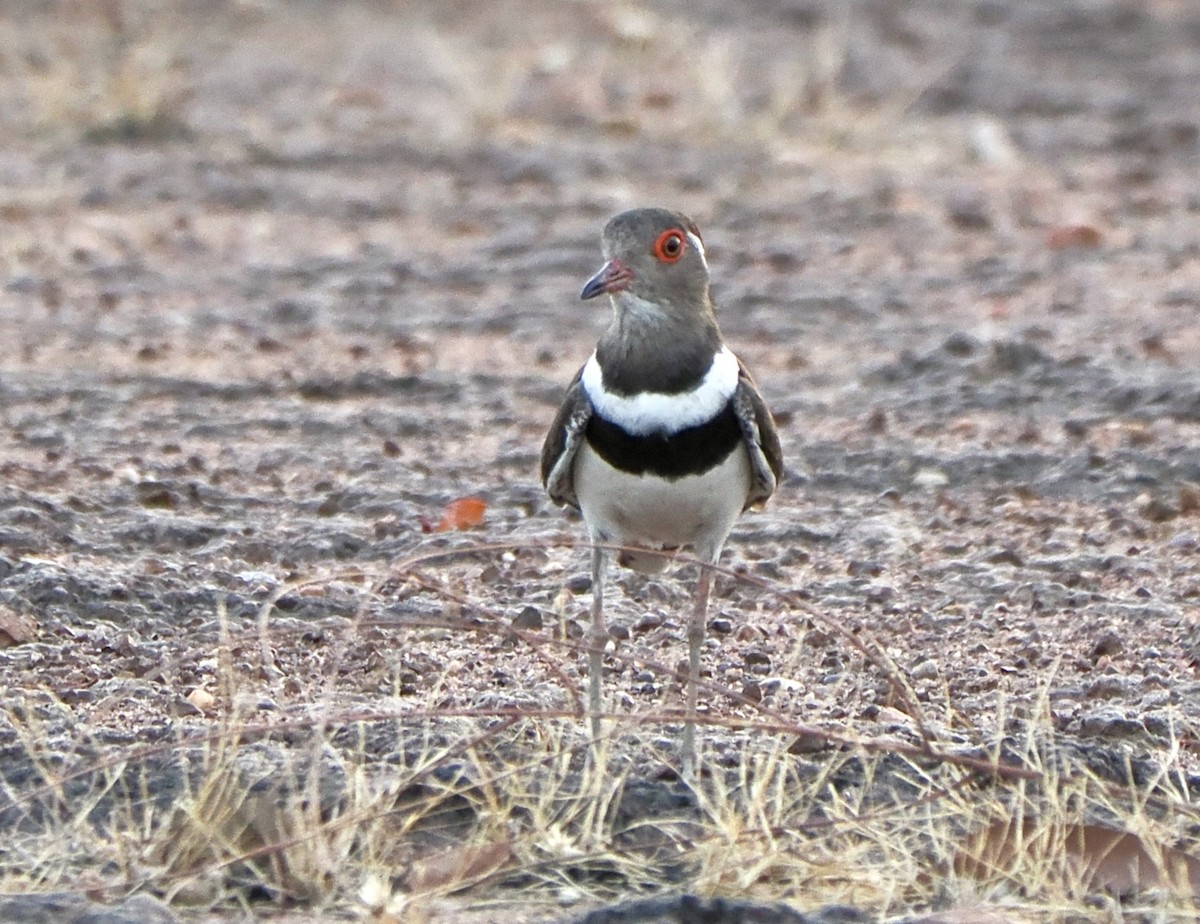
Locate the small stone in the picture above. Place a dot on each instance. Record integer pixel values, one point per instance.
(967, 209)
(930, 478)
(1156, 509)
(490, 574)
(16, 628)
(1107, 688)
(1183, 542)
(1075, 428)
(960, 344)
(817, 638)
(202, 700)
(647, 622)
(926, 670)
(1006, 556)
(756, 656)
(808, 744)
(880, 593)
(747, 632)
(530, 619)
(1110, 723)
(248, 701)
(991, 144)
(156, 495)
(1108, 644)
(579, 583)
(181, 707)
(721, 625)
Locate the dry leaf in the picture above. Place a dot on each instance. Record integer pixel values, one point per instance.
(458, 867)
(1103, 858)
(16, 628)
(1077, 236)
(889, 715)
(464, 513)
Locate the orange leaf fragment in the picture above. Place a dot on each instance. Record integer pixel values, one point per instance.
(459, 866)
(1077, 236)
(464, 513)
(1098, 856)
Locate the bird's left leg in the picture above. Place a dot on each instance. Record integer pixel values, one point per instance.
(696, 629)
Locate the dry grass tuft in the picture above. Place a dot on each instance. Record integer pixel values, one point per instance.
(393, 811)
(103, 70)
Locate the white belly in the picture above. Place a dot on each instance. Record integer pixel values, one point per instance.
(642, 510)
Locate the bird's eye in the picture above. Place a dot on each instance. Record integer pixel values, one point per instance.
(669, 246)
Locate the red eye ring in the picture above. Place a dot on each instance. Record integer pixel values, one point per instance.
(669, 246)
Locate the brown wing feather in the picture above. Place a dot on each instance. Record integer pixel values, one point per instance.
(762, 438)
(562, 442)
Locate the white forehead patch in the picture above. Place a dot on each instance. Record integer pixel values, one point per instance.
(699, 245)
(659, 412)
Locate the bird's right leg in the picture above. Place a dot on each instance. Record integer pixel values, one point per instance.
(599, 637)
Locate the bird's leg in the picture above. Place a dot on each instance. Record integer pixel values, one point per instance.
(695, 635)
(598, 638)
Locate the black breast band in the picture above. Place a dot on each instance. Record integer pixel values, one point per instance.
(687, 452)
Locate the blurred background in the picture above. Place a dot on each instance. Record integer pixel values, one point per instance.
(375, 163)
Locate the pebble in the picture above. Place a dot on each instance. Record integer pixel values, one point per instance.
(717, 911)
(930, 478)
(926, 670)
(579, 583)
(647, 622)
(859, 568)
(967, 209)
(618, 630)
(756, 656)
(1110, 643)
(880, 593)
(1110, 722)
(530, 619)
(1110, 687)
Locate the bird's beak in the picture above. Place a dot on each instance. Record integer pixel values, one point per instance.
(613, 277)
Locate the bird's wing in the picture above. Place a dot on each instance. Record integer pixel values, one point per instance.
(761, 437)
(562, 442)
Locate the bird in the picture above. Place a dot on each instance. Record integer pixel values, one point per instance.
(663, 439)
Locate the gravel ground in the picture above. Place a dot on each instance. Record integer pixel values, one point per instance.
(315, 277)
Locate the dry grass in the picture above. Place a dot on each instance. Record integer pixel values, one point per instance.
(510, 806)
(109, 70)
(133, 71)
